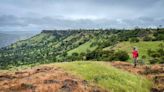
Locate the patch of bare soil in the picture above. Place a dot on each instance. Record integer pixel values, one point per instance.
(154, 72)
(44, 79)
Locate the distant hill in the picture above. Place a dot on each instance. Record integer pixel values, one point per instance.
(6, 38)
(70, 45)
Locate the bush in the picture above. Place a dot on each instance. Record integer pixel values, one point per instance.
(157, 56)
(100, 55)
(134, 40)
(107, 55)
(121, 55)
(75, 54)
(91, 55)
(160, 37)
(153, 61)
(147, 38)
(161, 61)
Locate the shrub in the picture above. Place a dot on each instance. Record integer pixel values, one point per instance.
(121, 55)
(153, 61)
(75, 54)
(100, 55)
(160, 37)
(107, 55)
(161, 61)
(157, 56)
(91, 55)
(134, 40)
(147, 38)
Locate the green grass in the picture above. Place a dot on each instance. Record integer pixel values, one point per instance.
(108, 77)
(33, 40)
(141, 46)
(83, 48)
(71, 37)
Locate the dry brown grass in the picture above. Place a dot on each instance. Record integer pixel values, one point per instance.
(44, 79)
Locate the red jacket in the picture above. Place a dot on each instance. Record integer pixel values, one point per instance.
(135, 53)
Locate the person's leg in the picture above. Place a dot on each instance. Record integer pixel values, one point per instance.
(135, 62)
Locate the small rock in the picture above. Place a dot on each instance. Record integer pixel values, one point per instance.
(51, 81)
(28, 86)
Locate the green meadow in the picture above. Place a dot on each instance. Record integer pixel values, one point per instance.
(107, 77)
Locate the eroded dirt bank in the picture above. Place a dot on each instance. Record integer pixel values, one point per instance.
(44, 79)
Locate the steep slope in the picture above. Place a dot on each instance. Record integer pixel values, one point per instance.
(44, 47)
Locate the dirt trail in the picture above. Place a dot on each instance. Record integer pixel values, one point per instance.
(154, 72)
(44, 79)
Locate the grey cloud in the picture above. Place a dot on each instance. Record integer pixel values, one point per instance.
(10, 20)
(72, 14)
(24, 23)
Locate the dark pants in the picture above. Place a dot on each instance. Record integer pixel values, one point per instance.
(135, 62)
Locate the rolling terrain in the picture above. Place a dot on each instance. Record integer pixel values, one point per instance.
(44, 62)
(80, 76)
(70, 45)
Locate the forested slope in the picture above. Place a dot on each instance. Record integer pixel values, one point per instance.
(69, 45)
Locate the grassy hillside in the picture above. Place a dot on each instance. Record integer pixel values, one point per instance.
(80, 75)
(108, 77)
(141, 46)
(83, 48)
(71, 45)
(88, 45)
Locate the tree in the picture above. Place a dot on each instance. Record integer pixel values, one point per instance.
(75, 54)
(121, 55)
(147, 38)
(134, 39)
(157, 56)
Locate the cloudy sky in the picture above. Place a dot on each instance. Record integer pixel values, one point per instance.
(34, 15)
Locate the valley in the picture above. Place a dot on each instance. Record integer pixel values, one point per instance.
(7, 38)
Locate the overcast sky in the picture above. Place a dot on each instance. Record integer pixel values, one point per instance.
(35, 15)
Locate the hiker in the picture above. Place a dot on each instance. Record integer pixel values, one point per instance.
(135, 56)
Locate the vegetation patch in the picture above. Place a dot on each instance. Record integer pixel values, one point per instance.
(83, 48)
(74, 45)
(142, 47)
(108, 77)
